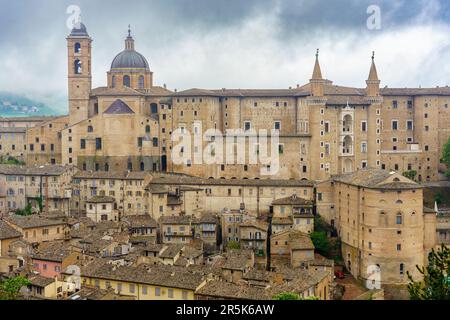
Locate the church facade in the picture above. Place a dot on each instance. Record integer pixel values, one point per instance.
(324, 129)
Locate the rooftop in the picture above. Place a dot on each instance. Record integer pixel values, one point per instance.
(101, 199)
(8, 232)
(33, 221)
(293, 200)
(376, 179)
(141, 221)
(42, 170)
(168, 179)
(158, 275)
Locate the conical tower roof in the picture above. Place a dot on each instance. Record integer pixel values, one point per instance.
(317, 73)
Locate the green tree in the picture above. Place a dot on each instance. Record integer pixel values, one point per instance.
(12, 161)
(436, 277)
(438, 198)
(446, 157)
(9, 289)
(411, 174)
(321, 243)
(287, 296)
(233, 245)
(24, 212)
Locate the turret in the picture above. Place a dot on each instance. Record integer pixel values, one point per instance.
(317, 82)
(373, 83)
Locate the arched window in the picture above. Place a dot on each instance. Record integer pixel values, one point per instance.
(402, 268)
(130, 166)
(399, 218)
(84, 166)
(106, 167)
(142, 167)
(77, 67)
(113, 81)
(141, 82)
(147, 129)
(399, 202)
(77, 47)
(97, 167)
(396, 179)
(90, 129)
(126, 81)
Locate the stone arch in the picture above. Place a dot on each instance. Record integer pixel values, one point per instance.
(348, 165)
(347, 145)
(347, 123)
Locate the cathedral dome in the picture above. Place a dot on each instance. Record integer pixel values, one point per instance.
(129, 59)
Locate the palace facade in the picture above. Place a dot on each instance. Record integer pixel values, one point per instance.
(324, 129)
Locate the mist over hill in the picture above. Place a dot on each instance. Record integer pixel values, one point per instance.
(17, 104)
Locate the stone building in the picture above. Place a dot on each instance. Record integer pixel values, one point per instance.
(100, 208)
(127, 189)
(27, 184)
(324, 129)
(380, 219)
(35, 229)
(12, 143)
(200, 195)
(292, 212)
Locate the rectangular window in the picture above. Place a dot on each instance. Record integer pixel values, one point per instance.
(409, 125)
(144, 290)
(410, 104)
(157, 292)
(247, 125)
(395, 104)
(394, 124)
(98, 143)
(170, 293)
(363, 126)
(82, 144)
(363, 147)
(277, 125)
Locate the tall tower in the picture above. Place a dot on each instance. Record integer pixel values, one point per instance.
(374, 115)
(79, 73)
(373, 83)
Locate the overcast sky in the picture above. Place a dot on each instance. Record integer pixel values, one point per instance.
(230, 43)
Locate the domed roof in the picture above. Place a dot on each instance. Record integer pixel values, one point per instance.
(129, 59)
(79, 30)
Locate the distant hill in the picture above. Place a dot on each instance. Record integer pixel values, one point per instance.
(16, 105)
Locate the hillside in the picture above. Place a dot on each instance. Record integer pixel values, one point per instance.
(13, 105)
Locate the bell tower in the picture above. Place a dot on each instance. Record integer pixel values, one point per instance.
(79, 73)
